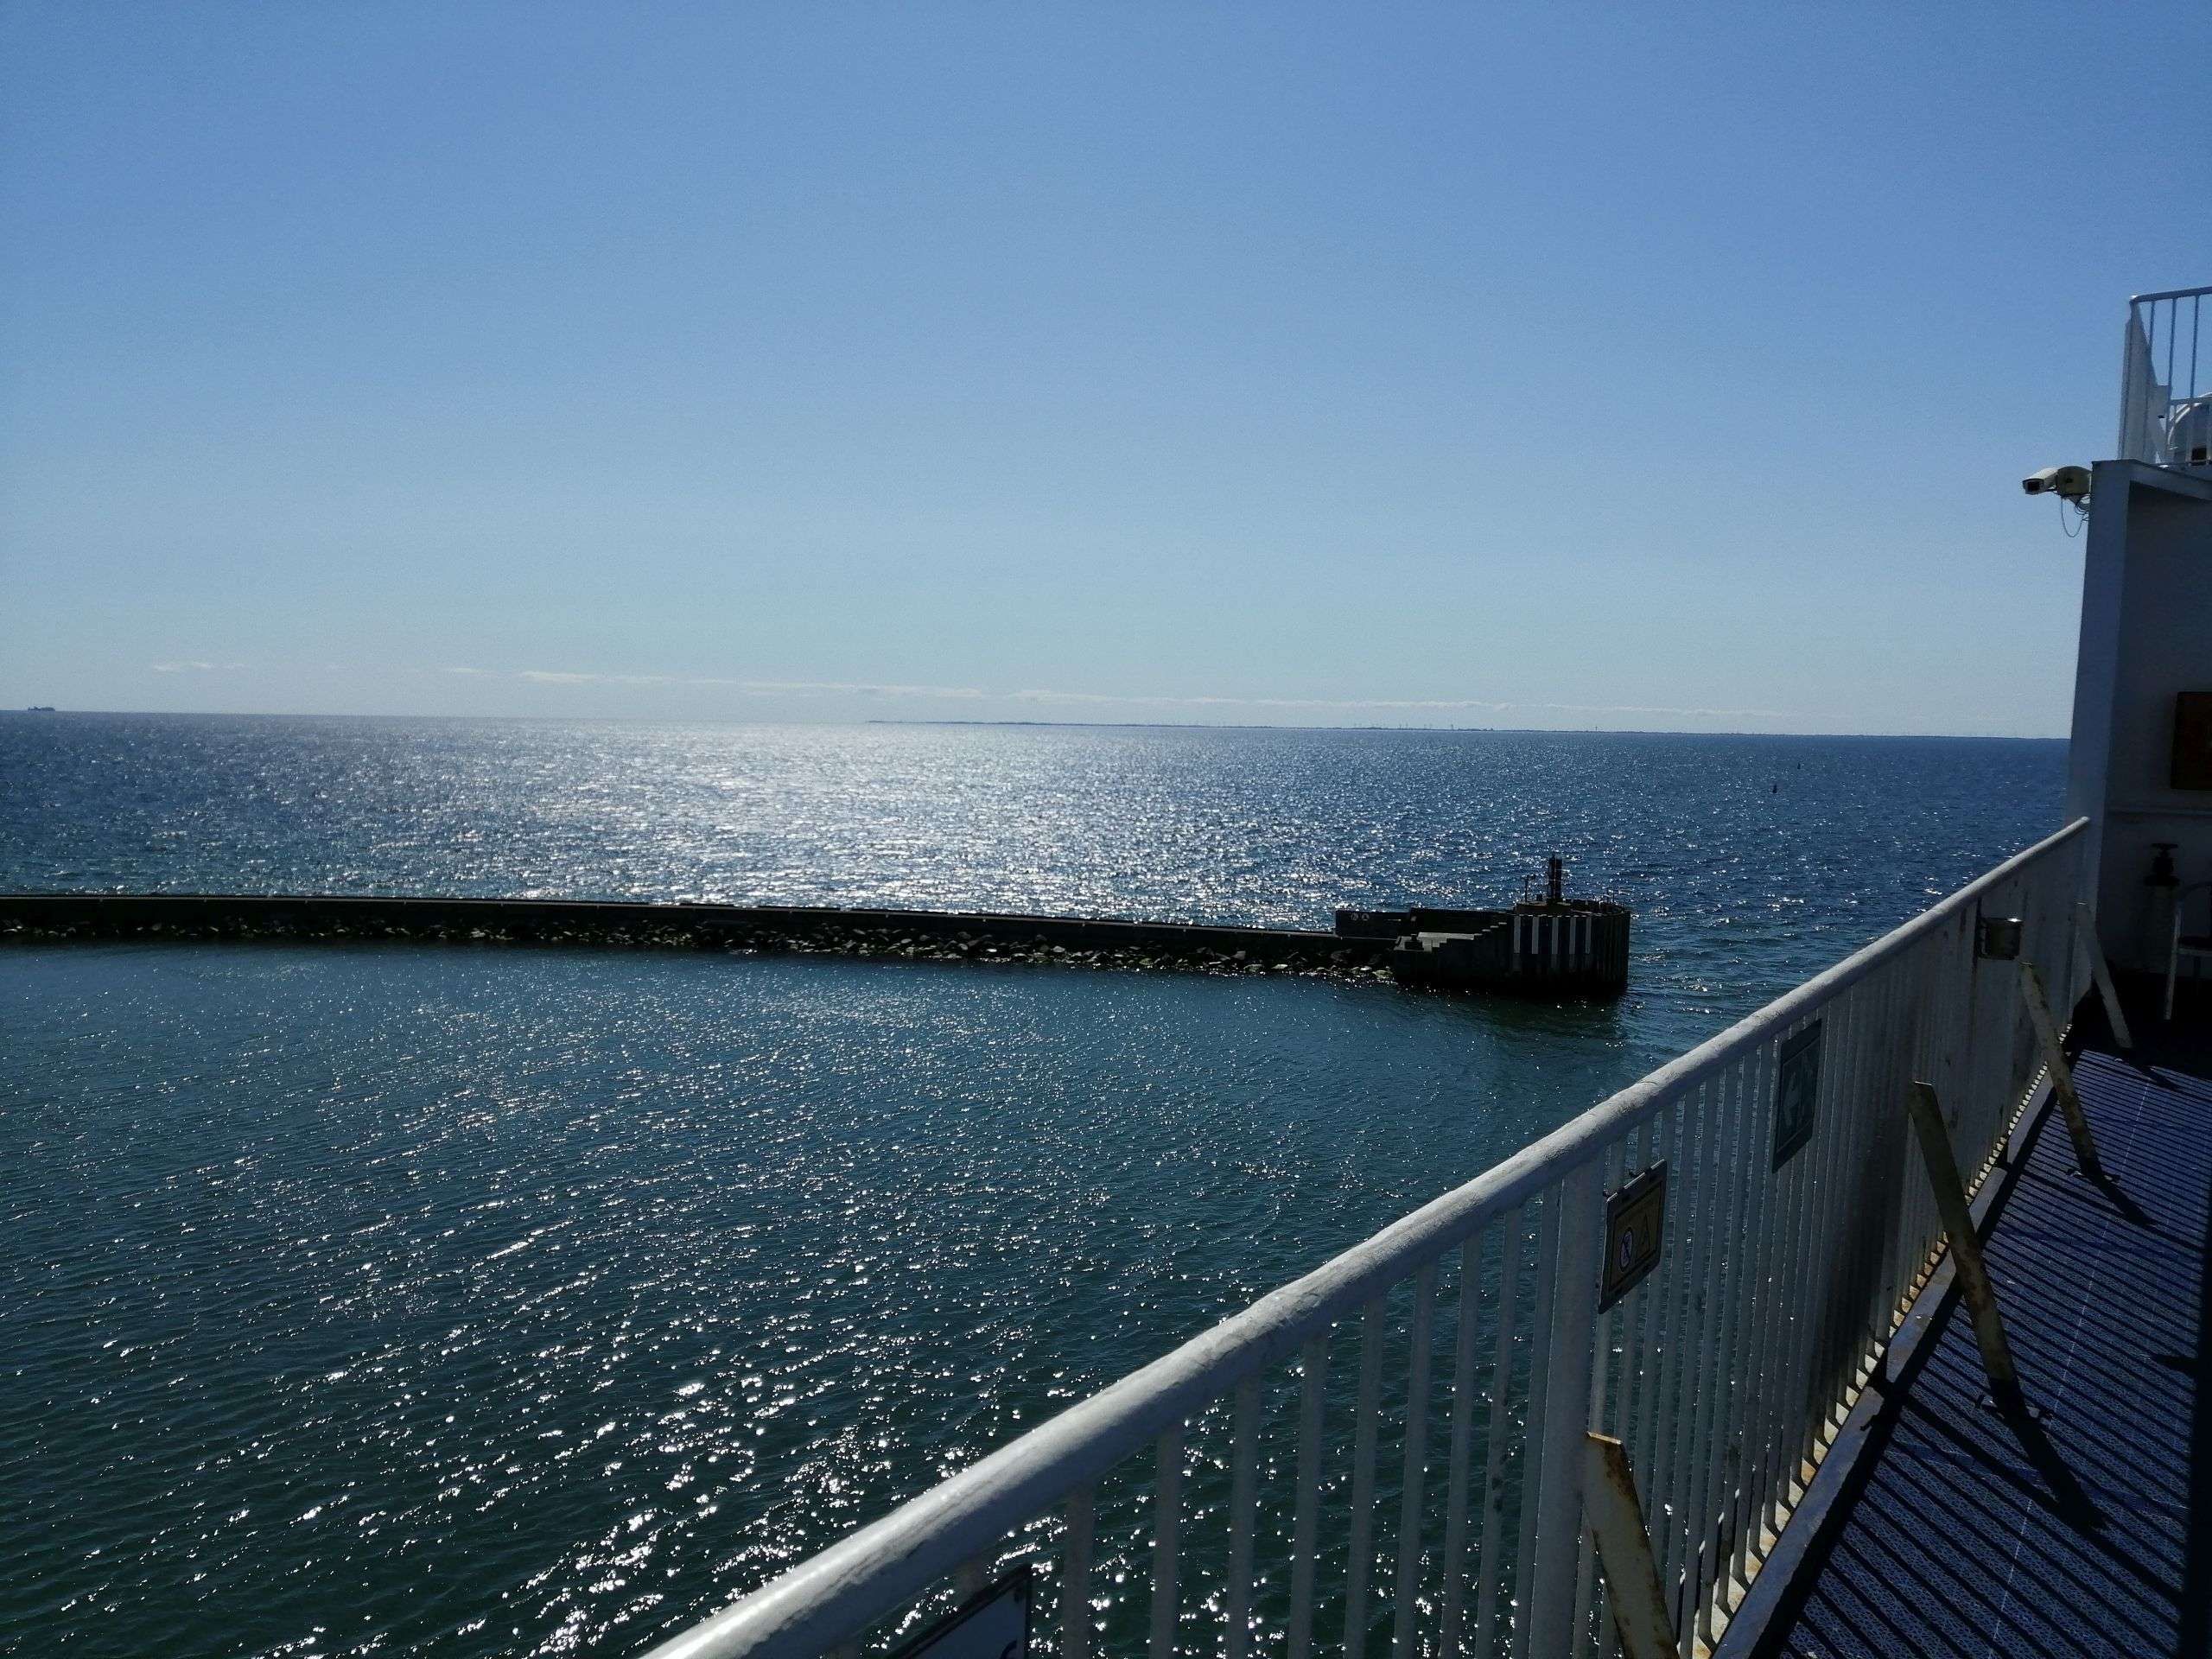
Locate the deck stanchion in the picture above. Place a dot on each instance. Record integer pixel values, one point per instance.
(1565, 1383)
(2085, 925)
(1359, 1563)
(1461, 1453)
(1623, 1550)
(1243, 1507)
(1510, 1234)
(2061, 1075)
(1166, 1521)
(1075, 1575)
(1405, 1641)
(1966, 1244)
(1305, 1522)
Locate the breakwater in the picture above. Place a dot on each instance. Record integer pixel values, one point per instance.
(912, 935)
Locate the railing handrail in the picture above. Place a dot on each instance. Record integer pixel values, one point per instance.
(2163, 406)
(2170, 294)
(823, 1599)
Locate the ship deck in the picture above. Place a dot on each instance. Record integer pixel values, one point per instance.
(2087, 1528)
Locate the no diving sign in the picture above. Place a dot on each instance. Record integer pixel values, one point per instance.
(992, 1624)
(1635, 1230)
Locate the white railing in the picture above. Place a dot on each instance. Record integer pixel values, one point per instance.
(2165, 381)
(1386, 1450)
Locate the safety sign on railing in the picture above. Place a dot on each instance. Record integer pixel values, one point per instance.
(1796, 1092)
(1635, 1230)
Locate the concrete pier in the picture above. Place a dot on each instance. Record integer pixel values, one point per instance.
(1579, 947)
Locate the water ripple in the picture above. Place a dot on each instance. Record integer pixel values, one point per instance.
(377, 1300)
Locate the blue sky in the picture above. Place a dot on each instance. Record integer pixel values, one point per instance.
(1586, 367)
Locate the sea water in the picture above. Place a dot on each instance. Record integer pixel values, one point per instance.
(482, 1299)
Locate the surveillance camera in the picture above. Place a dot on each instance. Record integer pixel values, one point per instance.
(2072, 482)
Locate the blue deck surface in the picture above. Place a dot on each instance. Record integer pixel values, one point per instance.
(2089, 1530)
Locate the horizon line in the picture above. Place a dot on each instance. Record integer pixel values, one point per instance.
(1075, 725)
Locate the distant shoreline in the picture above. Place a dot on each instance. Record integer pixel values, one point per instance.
(1048, 724)
(1452, 731)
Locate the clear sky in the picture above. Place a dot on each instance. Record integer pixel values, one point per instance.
(1623, 367)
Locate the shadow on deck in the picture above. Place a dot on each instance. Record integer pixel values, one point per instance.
(2086, 1528)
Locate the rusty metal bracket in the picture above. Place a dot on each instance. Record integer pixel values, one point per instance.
(1943, 1167)
(2061, 1075)
(2085, 925)
(1615, 1521)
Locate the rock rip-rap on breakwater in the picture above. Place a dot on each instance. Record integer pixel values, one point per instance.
(914, 935)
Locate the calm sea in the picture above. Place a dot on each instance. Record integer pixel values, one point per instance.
(476, 1301)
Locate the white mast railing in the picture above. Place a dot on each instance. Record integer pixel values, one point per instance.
(1384, 1453)
(2165, 380)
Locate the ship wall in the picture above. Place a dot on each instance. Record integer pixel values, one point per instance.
(2146, 638)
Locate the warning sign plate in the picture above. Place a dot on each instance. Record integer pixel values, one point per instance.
(1635, 1232)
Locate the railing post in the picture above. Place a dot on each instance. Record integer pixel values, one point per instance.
(1305, 1520)
(1243, 1505)
(1166, 1547)
(1075, 1575)
(1943, 1167)
(1623, 1547)
(2085, 925)
(2061, 1075)
(1565, 1385)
